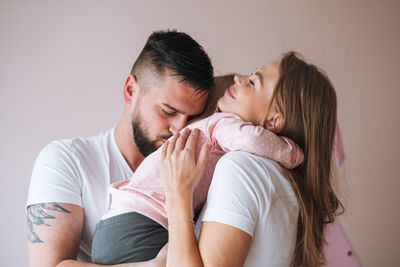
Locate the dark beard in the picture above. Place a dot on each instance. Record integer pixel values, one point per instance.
(143, 143)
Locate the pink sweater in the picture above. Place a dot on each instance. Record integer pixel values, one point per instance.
(144, 192)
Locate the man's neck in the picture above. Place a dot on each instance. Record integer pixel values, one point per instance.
(124, 138)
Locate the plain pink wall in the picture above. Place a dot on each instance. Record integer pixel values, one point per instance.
(63, 64)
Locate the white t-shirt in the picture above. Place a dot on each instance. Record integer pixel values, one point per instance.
(250, 193)
(79, 171)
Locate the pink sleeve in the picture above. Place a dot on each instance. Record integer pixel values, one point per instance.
(234, 134)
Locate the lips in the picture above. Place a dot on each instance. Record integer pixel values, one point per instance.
(229, 92)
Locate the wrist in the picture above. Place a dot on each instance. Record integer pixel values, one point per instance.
(179, 201)
(178, 197)
(185, 221)
(179, 207)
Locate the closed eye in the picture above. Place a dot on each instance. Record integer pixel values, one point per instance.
(168, 113)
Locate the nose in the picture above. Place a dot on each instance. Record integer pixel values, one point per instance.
(177, 124)
(238, 79)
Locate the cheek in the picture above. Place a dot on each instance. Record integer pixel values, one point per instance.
(259, 111)
(154, 127)
(148, 118)
(157, 124)
(250, 109)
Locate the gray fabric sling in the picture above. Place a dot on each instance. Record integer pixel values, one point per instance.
(129, 237)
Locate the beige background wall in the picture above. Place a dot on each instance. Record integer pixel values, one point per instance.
(63, 64)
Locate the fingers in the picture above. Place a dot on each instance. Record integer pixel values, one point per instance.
(164, 151)
(180, 143)
(201, 161)
(171, 145)
(191, 141)
(186, 141)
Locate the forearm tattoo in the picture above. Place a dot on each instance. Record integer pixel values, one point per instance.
(37, 215)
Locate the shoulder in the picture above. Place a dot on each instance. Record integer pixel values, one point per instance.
(65, 157)
(219, 115)
(240, 186)
(217, 118)
(250, 168)
(247, 165)
(251, 177)
(59, 172)
(242, 174)
(73, 148)
(226, 118)
(243, 189)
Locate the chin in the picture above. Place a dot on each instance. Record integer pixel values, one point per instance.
(222, 110)
(220, 106)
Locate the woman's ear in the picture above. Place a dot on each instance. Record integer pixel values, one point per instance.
(130, 88)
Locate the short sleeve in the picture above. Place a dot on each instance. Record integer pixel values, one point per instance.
(233, 197)
(55, 177)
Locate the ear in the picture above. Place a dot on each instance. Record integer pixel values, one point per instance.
(274, 122)
(130, 88)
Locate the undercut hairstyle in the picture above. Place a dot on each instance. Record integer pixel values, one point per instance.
(174, 53)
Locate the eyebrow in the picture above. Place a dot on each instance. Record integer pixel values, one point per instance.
(260, 77)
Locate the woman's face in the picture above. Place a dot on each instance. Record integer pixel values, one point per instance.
(250, 96)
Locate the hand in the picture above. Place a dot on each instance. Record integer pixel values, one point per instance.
(179, 171)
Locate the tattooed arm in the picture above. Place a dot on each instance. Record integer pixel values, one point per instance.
(54, 232)
(38, 215)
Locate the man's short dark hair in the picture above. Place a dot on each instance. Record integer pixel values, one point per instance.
(178, 54)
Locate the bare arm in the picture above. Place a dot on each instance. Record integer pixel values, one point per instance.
(54, 233)
(223, 245)
(220, 245)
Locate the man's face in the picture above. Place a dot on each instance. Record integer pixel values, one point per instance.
(163, 109)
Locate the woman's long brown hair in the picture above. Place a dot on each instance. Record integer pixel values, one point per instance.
(306, 100)
(221, 83)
